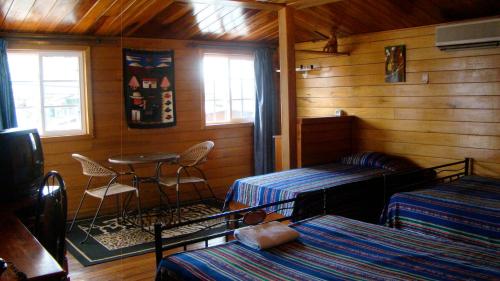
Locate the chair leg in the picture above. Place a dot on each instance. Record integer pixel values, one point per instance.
(118, 208)
(197, 191)
(177, 203)
(210, 188)
(206, 182)
(77, 210)
(139, 208)
(163, 193)
(195, 186)
(93, 221)
(125, 204)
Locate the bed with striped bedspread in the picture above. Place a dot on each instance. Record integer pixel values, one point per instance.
(337, 248)
(466, 210)
(273, 187)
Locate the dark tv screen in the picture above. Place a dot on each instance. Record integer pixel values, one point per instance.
(21, 163)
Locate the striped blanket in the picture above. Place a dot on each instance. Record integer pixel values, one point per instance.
(273, 187)
(466, 210)
(337, 248)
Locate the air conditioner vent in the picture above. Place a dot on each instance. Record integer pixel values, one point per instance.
(485, 33)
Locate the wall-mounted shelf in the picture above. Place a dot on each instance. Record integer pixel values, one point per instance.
(324, 53)
(303, 68)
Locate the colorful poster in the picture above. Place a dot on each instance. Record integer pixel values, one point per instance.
(149, 88)
(395, 64)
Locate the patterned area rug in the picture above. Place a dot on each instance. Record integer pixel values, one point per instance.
(114, 238)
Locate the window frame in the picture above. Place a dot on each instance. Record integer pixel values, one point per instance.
(221, 52)
(85, 86)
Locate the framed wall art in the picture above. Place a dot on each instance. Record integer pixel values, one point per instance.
(149, 89)
(395, 64)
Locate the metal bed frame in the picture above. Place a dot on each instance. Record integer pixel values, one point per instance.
(428, 176)
(235, 219)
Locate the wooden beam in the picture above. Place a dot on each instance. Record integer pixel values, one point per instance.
(302, 4)
(46, 38)
(238, 3)
(153, 11)
(288, 94)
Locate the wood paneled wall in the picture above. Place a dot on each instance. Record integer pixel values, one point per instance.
(231, 158)
(455, 115)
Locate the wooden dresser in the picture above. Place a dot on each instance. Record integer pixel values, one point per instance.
(20, 247)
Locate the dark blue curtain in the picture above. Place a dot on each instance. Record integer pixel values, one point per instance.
(265, 112)
(7, 107)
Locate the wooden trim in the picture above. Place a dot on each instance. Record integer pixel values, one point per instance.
(201, 78)
(41, 38)
(235, 3)
(87, 75)
(228, 125)
(302, 4)
(50, 139)
(277, 154)
(288, 94)
(28, 46)
(228, 52)
(228, 46)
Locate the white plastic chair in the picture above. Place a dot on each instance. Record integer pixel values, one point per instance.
(189, 160)
(94, 169)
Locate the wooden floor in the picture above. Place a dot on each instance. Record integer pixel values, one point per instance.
(129, 269)
(136, 268)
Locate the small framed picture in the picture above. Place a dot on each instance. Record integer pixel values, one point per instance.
(395, 64)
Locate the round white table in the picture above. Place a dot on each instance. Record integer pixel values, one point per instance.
(158, 158)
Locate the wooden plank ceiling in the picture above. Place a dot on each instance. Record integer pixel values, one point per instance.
(224, 20)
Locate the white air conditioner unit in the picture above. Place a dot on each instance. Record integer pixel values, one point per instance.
(484, 33)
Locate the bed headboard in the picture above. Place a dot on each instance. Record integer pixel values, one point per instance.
(323, 140)
(319, 140)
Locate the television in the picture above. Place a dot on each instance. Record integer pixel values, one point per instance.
(21, 164)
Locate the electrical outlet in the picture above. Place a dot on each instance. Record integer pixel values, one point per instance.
(425, 78)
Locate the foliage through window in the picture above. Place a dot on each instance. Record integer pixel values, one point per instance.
(229, 88)
(49, 91)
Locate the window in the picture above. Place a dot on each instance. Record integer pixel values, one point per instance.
(229, 88)
(50, 91)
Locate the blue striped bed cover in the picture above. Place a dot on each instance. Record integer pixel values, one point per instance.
(466, 210)
(337, 248)
(278, 186)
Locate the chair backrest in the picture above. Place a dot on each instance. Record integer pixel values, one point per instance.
(92, 168)
(196, 154)
(51, 215)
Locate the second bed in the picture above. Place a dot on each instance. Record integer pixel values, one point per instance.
(356, 180)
